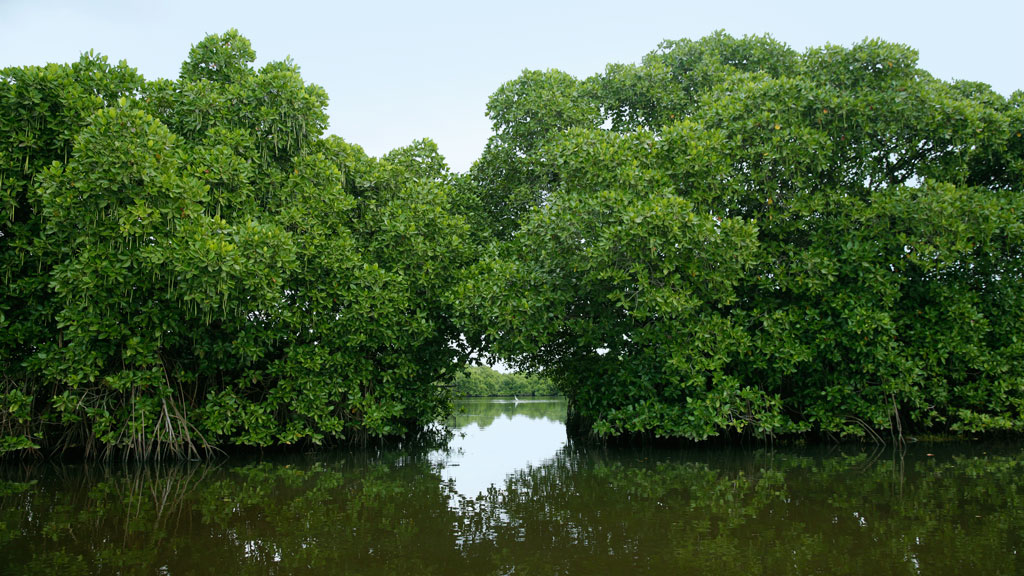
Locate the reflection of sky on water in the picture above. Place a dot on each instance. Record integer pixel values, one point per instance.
(478, 457)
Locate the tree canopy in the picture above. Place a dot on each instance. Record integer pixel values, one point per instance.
(736, 237)
(191, 263)
(728, 237)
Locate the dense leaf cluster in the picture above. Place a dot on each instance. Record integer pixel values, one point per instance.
(733, 236)
(192, 263)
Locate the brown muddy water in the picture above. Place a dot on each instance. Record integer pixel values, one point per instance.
(509, 494)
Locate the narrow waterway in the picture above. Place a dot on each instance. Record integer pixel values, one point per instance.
(508, 493)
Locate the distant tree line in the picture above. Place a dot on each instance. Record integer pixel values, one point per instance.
(730, 237)
(485, 381)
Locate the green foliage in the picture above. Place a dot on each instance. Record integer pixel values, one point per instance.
(219, 58)
(728, 237)
(760, 241)
(191, 263)
(485, 381)
(525, 112)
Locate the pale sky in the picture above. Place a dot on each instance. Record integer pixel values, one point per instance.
(398, 71)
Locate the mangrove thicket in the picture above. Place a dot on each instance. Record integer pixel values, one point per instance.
(730, 237)
(192, 263)
(735, 237)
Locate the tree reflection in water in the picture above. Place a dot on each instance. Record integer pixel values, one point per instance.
(495, 439)
(585, 511)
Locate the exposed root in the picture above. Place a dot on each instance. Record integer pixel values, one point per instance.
(898, 440)
(871, 431)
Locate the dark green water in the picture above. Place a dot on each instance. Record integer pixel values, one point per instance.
(509, 495)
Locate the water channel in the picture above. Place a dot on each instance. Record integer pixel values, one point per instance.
(510, 494)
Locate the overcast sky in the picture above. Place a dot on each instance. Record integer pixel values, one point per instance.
(398, 71)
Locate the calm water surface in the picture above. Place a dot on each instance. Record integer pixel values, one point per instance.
(509, 494)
